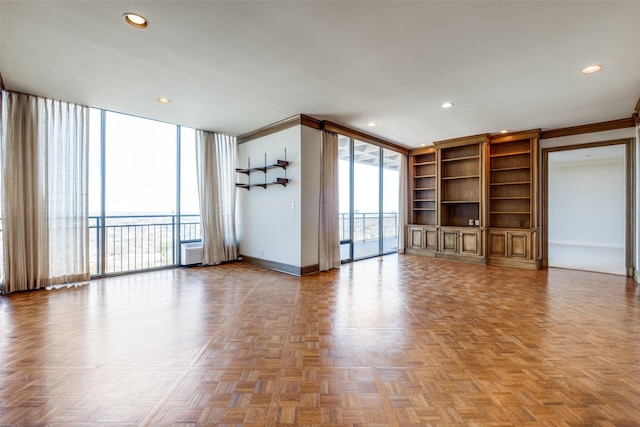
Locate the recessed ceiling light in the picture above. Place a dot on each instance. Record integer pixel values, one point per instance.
(423, 145)
(592, 69)
(504, 131)
(136, 20)
(164, 101)
(371, 124)
(447, 105)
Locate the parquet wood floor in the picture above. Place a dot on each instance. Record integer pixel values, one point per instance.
(392, 341)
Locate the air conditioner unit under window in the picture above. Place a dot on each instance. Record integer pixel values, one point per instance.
(191, 253)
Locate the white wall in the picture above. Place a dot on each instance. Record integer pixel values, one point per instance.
(280, 224)
(587, 203)
(268, 228)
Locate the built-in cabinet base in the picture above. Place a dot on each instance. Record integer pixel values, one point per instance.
(513, 248)
(422, 240)
(461, 244)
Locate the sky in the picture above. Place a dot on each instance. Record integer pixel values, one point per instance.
(140, 163)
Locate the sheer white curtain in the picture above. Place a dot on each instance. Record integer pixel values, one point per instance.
(44, 155)
(216, 163)
(329, 232)
(403, 209)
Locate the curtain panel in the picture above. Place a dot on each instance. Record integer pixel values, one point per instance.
(403, 210)
(329, 226)
(216, 163)
(44, 174)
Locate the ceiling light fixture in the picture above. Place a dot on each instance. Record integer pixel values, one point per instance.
(592, 69)
(447, 105)
(371, 124)
(504, 131)
(136, 20)
(164, 101)
(423, 145)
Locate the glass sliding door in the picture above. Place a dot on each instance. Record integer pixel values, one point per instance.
(140, 193)
(390, 200)
(366, 200)
(369, 197)
(189, 203)
(345, 202)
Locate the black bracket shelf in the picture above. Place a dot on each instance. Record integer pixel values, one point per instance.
(249, 170)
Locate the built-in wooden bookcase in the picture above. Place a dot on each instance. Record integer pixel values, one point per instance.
(512, 213)
(423, 178)
(461, 195)
(460, 185)
(510, 179)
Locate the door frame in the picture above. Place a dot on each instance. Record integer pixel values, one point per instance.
(630, 184)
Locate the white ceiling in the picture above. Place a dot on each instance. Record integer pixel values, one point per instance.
(235, 66)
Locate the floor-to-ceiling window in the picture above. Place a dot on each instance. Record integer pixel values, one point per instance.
(143, 192)
(369, 197)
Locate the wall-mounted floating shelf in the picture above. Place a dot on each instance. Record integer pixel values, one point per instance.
(264, 168)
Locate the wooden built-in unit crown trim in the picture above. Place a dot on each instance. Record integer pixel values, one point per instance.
(1, 82)
(637, 110)
(516, 136)
(465, 140)
(589, 128)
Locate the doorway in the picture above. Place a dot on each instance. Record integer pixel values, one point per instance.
(588, 200)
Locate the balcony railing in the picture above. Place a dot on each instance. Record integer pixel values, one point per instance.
(366, 226)
(139, 242)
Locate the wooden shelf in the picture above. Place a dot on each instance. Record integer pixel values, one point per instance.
(511, 198)
(514, 168)
(424, 200)
(424, 209)
(423, 163)
(279, 164)
(457, 159)
(424, 176)
(279, 181)
(517, 153)
(460, 177)
(511, 183)
(424, 188)
(509, 213)
(451, 202)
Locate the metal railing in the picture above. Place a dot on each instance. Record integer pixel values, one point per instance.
(366, 226)
(139, 242)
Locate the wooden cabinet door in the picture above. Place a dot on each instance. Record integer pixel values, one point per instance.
(431, 239)
(449, 241)
(497, 243)
(469, 242)
(518, 245)
(416, 237)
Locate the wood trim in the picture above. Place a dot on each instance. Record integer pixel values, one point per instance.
(637, 110)
(299, 119)
(1, 82)
(281, 267)
(365, 137)
(421, 150)
(589, 128)
(465, 140)
(630, 210)
(515, 136)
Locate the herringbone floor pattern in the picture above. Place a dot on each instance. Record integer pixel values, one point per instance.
(393, 341)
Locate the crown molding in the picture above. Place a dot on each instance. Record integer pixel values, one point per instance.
(638, 106)
(298, 119)
(364, 137)
(589, 128)
(1, 82)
